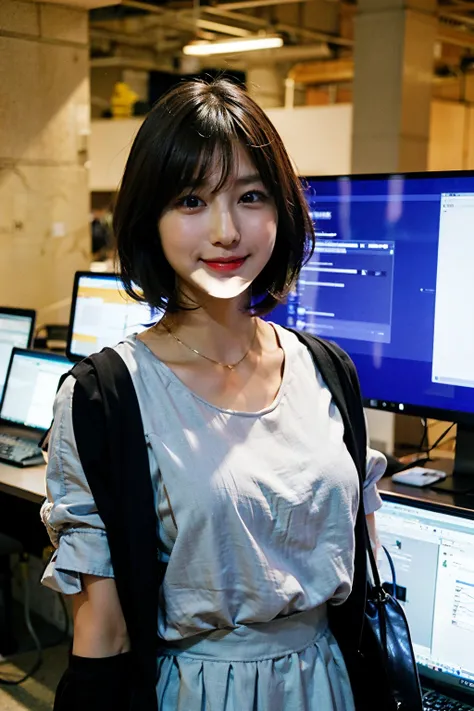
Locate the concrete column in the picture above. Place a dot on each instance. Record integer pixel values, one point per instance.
(394, 54)
(44, 126)
(266, 84)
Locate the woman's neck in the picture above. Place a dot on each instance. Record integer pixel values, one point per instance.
(220, 328)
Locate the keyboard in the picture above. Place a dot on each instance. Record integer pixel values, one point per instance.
(19, 452)
(434, 701)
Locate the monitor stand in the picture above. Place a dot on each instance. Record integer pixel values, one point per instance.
(462, 479)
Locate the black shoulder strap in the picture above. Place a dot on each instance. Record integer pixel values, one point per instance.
(111, 444)
(340, 375)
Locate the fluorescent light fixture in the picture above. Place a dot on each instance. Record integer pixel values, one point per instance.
(240, 44)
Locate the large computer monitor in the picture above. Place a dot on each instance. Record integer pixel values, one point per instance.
(392, 281)
(432, 548)
(16, 330)
(102, 314)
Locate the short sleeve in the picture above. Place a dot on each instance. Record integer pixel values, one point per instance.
(69, 513)
(376, 465)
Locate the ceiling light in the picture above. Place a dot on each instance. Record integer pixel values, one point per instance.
(240, 44)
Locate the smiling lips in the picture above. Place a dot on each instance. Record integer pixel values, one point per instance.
(229, 264)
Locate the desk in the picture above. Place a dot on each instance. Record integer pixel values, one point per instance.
(27, 483)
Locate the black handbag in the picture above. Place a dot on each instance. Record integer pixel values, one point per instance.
(386, 623)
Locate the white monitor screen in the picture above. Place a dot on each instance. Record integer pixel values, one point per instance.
(31, 388)
(14, 332)
(103, 314)
(433, 553)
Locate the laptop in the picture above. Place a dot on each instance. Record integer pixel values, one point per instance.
(26, 408)
(432, 547)
(16, 330)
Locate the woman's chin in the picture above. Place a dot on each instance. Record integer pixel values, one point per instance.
(229, 287)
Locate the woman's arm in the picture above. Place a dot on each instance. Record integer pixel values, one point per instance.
(374, 540)
(99, 673)
(99, 624)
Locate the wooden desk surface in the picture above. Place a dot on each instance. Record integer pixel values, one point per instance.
(28, 483)
(456, 501)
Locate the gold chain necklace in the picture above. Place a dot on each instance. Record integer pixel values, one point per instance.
(212, 360)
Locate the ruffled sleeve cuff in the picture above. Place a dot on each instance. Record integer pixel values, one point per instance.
(376, 465)
(79, 552)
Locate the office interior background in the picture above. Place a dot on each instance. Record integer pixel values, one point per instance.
(362, 86)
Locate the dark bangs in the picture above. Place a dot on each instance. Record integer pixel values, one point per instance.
(189, 130)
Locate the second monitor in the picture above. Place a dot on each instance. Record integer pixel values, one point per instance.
(392, 281)
(102, 314)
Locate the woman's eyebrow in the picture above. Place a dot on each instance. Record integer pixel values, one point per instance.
(240, 181)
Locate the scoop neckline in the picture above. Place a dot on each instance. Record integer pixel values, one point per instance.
(241, 413)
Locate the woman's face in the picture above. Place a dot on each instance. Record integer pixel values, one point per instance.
(218, 243)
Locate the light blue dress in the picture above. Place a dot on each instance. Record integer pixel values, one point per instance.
(256, 516)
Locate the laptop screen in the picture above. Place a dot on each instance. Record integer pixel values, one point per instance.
(31, 387)
(433, 553)
(102, 314)
(15, 330)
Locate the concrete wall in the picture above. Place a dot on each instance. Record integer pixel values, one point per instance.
(44, 185)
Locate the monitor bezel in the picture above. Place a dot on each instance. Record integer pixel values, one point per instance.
(77, 357)
(430, 505)
(24, 313)
(30, 353)
(435, 413)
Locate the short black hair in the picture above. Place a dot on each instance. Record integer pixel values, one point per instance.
(174, 150)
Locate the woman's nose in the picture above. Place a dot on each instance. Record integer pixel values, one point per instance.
(224, 228)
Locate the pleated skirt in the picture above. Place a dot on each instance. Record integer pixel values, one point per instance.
(290, 664)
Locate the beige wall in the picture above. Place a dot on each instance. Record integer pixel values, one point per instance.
(318, 139)
(44, 121)
(449, 136)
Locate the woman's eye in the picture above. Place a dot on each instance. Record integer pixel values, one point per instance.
(190, 202)
(254, 196)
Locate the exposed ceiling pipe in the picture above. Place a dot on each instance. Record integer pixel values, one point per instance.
(454, 36)
(188, 18)
(100, 31)
(298, 53)
(278, 26)
(148, 7)
(245, 4)
(462, 19)
(222, 28)
(242, 18)
(463, 4)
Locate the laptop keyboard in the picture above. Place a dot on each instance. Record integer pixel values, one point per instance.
(21, 452)
(434, 701)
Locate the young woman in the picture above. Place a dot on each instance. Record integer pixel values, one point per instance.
(256, 493)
